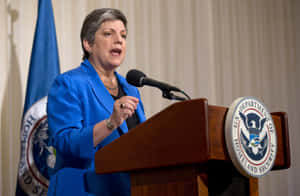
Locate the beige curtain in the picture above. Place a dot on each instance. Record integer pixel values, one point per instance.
(218, 49)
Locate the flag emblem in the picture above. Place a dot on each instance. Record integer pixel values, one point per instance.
(37, 156)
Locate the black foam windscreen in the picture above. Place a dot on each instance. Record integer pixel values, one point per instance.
(135, 77)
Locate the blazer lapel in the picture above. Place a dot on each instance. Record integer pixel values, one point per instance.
(98, 88)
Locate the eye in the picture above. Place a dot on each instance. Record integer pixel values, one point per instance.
(106, 34)
(124, 36)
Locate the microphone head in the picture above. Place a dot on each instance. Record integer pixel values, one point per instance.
(135, 77)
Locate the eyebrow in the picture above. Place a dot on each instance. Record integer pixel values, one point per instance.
(123, 30)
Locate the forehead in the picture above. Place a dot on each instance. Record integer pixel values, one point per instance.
(117, 25)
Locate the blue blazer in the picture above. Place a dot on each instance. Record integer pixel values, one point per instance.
(76, 102)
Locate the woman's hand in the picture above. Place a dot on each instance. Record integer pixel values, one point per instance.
(123, 108)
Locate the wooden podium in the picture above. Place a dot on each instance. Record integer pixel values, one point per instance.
(181, 151)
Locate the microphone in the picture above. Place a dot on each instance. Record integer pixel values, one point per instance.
(139, 79)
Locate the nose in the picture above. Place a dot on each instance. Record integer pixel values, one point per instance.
(118, 39)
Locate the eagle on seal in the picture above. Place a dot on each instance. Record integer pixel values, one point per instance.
(253, 137)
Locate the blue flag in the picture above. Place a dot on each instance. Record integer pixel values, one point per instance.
(37, 157)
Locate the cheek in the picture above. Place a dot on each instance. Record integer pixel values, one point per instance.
(103, 44)
(124, 49)
(104, 50)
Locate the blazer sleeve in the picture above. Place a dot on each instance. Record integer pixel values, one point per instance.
(65, 120)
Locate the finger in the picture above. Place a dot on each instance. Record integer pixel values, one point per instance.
(128, 106)
(130, 98)
(128, 103)
(127, 113)
(131, 105)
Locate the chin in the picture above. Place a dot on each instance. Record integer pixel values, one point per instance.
(115, 65)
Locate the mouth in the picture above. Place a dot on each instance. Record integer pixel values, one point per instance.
(116, 52)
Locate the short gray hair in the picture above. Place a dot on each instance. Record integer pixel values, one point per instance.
(93, 21)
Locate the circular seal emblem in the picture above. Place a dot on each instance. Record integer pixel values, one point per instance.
(250, 137)
(37, 156)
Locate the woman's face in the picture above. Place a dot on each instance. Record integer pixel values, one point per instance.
(109, 47)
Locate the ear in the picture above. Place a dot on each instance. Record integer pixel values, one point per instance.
(87, 46)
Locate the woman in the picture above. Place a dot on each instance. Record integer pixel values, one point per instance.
(90, 106)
